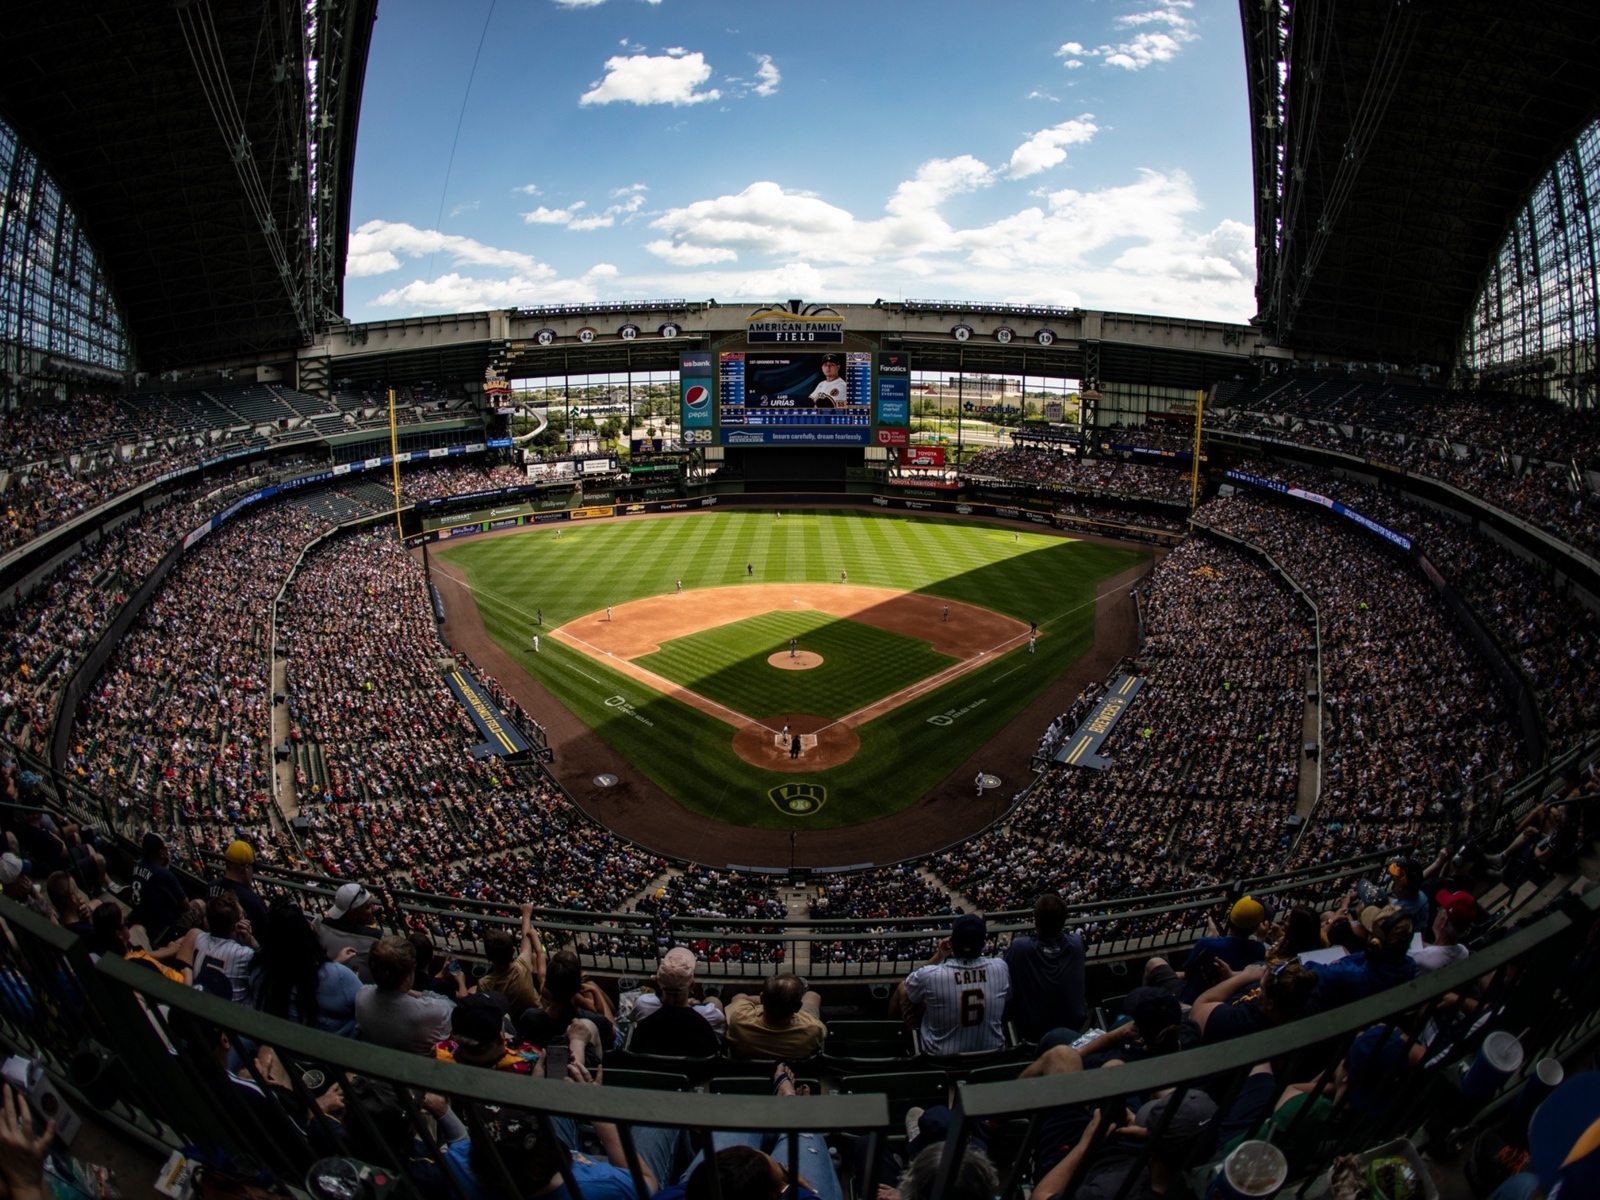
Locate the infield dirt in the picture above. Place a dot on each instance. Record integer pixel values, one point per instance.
(639, 809)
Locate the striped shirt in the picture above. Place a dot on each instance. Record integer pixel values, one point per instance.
(963, 1001)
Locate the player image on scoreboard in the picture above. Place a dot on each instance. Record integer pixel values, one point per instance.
(796, 389)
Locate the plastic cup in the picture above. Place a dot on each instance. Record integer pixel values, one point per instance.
(1546, 1076)
(1253, 1171)
(1499, 1056)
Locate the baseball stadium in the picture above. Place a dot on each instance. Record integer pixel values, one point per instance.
(825, 746)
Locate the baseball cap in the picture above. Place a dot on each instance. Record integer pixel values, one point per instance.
(11, 869)
(675, 972)
(968, 934)
(1460, 905)
(1564, 1139)
(153, 843)
(1408, 869)
(835, 359)
(1390, 928)
(1247, 913)
(479, 1017)
(240, 851)
(1369, 917)
(347, 899)
(1193, 1118)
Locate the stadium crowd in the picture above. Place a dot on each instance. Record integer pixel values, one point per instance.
(1051, 468)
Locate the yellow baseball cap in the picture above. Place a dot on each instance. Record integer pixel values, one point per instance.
(239, 851)
(1247, 914)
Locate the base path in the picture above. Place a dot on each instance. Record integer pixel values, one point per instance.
(638, 809)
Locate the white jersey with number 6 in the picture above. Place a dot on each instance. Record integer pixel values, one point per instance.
(963, 1001)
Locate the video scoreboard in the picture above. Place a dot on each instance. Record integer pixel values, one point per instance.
(795, 398)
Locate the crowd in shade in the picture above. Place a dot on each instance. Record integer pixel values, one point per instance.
(1052, 467)
(1532, 457)
(384, 761)
(1552, 638)
(1416, 728)
(1205, 760)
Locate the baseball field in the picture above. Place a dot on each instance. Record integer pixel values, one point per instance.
(803, 670)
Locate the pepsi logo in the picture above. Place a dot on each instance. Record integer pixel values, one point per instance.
(697, 396)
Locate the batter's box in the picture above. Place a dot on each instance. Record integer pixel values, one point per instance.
(808, 741)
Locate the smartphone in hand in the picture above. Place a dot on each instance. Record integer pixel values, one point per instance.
(556, 1058)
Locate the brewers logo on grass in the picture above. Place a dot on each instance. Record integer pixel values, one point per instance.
(798, 799)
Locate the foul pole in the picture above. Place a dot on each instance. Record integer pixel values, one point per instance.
(1194, 466)
(394, 463)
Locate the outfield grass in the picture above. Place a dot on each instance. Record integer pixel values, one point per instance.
(1026, 575)
(860, 664)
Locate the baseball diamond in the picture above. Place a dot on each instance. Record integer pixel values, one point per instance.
(691, 690)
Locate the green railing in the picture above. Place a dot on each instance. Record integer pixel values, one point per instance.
(146, 1053)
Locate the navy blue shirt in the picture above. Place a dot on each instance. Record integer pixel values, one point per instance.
(1237, 952)
(158, 897)
(1229, 1021)
(1046, 985)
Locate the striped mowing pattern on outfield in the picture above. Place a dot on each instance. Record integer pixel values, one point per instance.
(1026, 575)
(860, 664)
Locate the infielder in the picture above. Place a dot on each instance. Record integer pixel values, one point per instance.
(962, 993)
(946, 612)
(608, 612)
(680, 587)
(536, 643)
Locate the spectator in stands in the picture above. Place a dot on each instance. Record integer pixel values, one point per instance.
(516, 966)
(220, 954)
(1100, 1168)
(1405, 878)
(784, 1022)
(293, 977)
(1384, 962)
(389, 1013)
(1047, 985)
(974, 1178)
(43, 842)
(1457, 912)
(960, 993)
(238, 872)
(16, 884)
(1255, 998)
(1300, 932)
(1236, 949)
(1154, 1025)
(350, 923)
(74, 912)
(436, 972)
(478, 1037)
(670, 1022)
(159, 901)
(567, 998)
(1543, 837)
(25, 1147)
(112, 936)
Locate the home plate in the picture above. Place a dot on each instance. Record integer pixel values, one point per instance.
(808, 741)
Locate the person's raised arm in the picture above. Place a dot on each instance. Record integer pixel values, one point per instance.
(1059, 1177)
(533, 945)
(1219, 994)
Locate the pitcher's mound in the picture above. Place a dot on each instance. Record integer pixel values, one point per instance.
(801, 660)
(824, 743)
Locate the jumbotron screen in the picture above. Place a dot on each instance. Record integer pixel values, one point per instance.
(796, 398)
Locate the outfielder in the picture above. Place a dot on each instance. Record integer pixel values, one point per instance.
(961, 993)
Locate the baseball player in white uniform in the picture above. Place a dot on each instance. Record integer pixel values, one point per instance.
(962, 993)
(830, 393)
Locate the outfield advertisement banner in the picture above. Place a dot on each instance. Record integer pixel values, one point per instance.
(894, 399)
(694, 393)
(922, 458)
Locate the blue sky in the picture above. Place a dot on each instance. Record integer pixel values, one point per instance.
(1090, 153)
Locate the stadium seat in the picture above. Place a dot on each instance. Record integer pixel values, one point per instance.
(905, 1090)
(660, 1081)
(866, 1046)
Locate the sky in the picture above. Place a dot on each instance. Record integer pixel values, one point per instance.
(1074, 152)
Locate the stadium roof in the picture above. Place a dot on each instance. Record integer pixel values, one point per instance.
(207, 149)
(1394, 141)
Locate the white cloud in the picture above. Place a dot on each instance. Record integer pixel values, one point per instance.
(1036, 94)
(464, 293)
(1145, 48)
(579, 3)
(598, 221)
(552, 216)
(670, 78)
(690, 256)
(767, 76)
(377, 246)
(464, 206)
(602, 271)
(1046, 148)
(527, 189)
